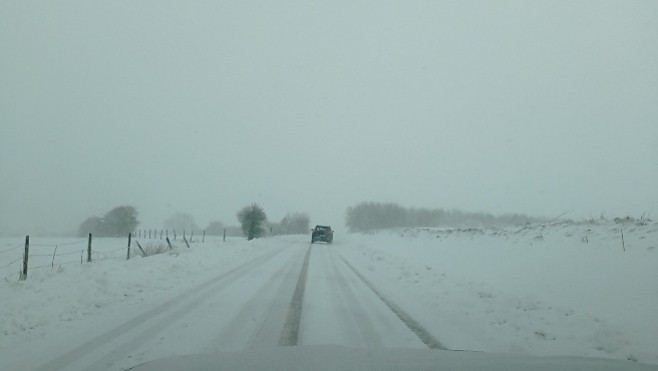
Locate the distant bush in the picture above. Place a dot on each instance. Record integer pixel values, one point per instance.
(233, 231)
(643, 220)
(153, 248)
(215, 228)
(182, 222)
(117, 222)
(295, 223)
(252, 219)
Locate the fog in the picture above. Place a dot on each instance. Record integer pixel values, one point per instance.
(202, 107)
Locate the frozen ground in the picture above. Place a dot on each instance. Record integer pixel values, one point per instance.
(565, 289)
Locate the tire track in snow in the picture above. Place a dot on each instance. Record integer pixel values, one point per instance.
(268, 306)
(146, 324)
(360, 316)
(273, 321)
(424, 335)
(290, 332)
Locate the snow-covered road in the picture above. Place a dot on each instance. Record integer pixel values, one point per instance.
(340, 308)
(290, 293)
(244, 306)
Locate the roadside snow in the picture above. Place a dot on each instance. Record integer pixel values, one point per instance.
(78, 301)
(560, 289)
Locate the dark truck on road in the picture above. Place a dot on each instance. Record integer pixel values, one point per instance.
(322, 233)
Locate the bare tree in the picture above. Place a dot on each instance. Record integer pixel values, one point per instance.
(181, 221)
(295, 223)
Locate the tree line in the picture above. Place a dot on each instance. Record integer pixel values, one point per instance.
(117, 222)
(368, 216)
(252, 218)
(253, 222)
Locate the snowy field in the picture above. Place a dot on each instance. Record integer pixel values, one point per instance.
(567, 289)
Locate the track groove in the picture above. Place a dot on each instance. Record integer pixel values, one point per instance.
(260, 319)
(290, 332)
(361, 317)
(424, 335)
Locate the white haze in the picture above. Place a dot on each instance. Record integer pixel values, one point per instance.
(313, 106)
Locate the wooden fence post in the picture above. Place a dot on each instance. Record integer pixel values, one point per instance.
(169, 243)
(185, 239)
(89, 249)
(224, 239)
(129, 239)
(192, 235)
(25, 258)
(623, 244)
(52, 263)
(140, 247)
(203, 239)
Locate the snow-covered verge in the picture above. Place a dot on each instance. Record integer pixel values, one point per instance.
(54, 302)
(557, 289)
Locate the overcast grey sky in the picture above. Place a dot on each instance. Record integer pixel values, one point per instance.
(538, 107)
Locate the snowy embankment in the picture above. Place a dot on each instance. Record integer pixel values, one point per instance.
(560, 289)
(90, 297)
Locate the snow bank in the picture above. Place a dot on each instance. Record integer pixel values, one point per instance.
(50, 298)
(559, 289)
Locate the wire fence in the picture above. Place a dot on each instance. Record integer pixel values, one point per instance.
(54, 253)
(42, 254)
(11, 249)
(11, 256)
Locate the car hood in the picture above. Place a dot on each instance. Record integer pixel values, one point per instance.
(329, 357)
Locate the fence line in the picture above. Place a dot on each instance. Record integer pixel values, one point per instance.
(11, 249)
(36, 258)
(53, 266)
(59, 244)
(63, 254)
(109, 252)
(40, 255)
(11, 263)
(106, 254)
(160, 234)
